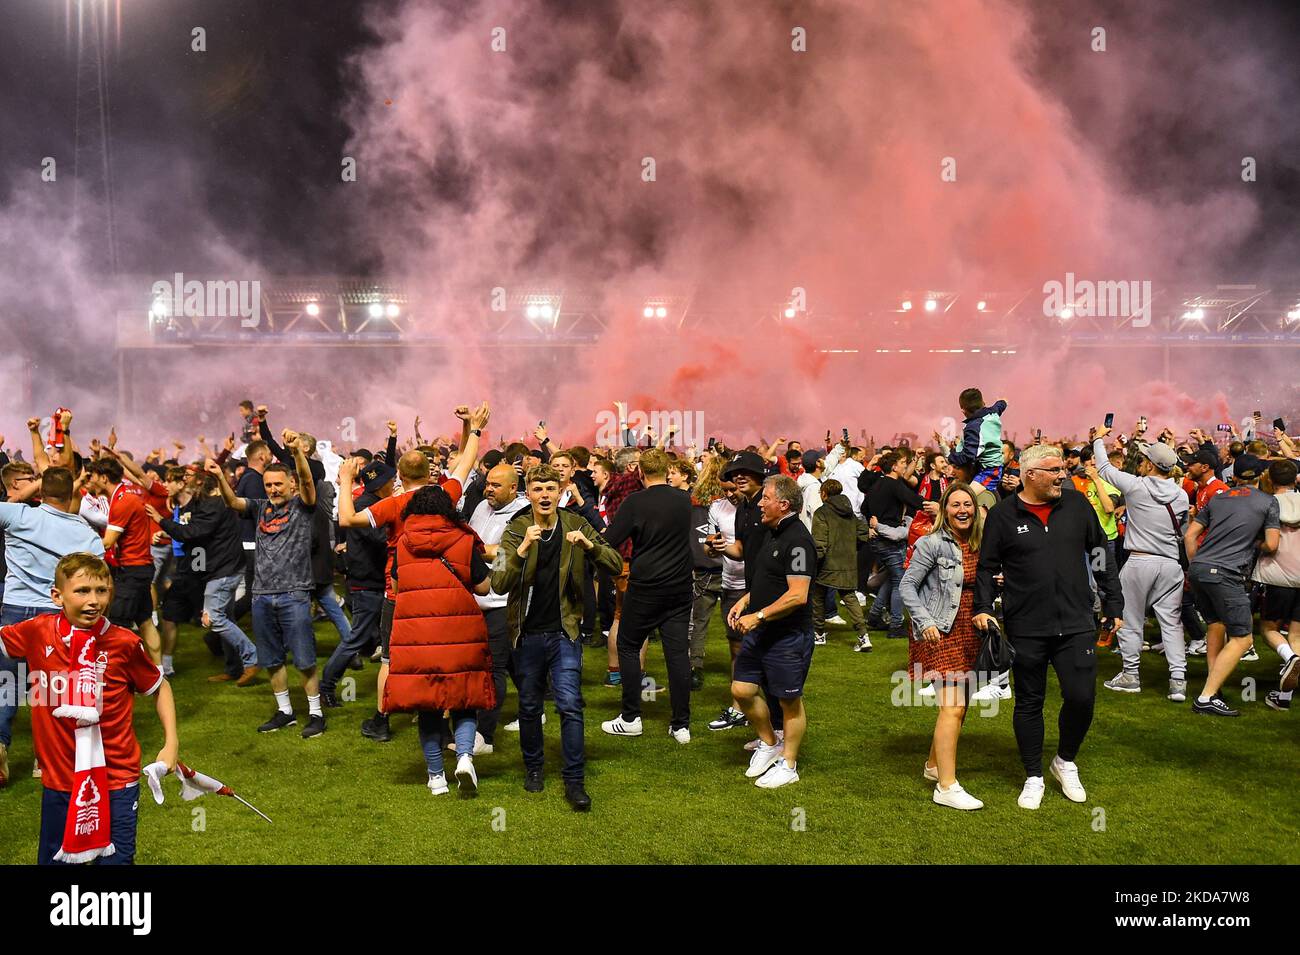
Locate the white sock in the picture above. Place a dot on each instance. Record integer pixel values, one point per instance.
(1202, 699)
(167, 661)
(1285, 652)
(313, 706)
(282, 702)
(1285, 695)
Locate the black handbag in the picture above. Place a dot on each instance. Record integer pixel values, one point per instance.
(996, 654)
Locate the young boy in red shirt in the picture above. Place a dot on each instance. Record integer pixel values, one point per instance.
(84, 672)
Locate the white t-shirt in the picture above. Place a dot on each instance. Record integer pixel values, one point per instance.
(723, 514)
(94, 510)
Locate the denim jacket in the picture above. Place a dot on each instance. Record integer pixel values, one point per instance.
(931, 587)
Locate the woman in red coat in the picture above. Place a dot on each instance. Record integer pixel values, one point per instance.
(439, 644)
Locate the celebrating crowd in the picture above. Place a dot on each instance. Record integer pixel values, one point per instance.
(465, 569)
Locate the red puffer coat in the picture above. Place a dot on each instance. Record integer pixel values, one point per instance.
(438, 651)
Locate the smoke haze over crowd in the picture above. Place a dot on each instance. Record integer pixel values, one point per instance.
(774, 169)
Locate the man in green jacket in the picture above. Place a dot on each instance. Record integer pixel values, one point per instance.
(540, 567)
(836, 532)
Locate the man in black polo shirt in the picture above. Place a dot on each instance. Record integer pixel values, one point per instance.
(657, 520)
(776, 620)
(1047, 606)
(746, 471)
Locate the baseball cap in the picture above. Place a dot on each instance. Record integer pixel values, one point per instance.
(745, 461)
(375, 475)
(1204, 456)
(1248, 466)
(493, 458)
(1159, 454)
(810, 459)
(1073, 452)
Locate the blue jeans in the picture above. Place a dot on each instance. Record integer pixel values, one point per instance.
(433, 735)
(218, 595)
(329, 602)
(366, 605)
(282, 623)
(9, 615)
(123, 806)
(537, 655)
(891, 557)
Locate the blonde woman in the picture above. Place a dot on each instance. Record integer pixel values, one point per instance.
(938, 590)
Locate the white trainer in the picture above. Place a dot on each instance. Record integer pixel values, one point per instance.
(927, 690)
(779, 775)
(1251, 655)
(1032, 795)
(956, 798)
(438, 783)
(837, 620)
(682, 735)
(1067, 774)
(755, 743)
(513, 727)
(930, 772)
(819, 639)
(466, 778)
(620, 727)
(764, 758)
(481, 746)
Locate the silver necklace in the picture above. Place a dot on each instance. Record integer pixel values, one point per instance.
(547, 535)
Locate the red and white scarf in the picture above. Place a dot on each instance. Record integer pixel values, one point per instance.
(87, 831)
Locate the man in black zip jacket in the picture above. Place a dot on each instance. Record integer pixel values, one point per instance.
(366, 553)
(1042, 540)
(213, 541)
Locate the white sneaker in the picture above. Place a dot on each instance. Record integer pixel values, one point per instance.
(755, 743)
(466, 778)
(837, 620)
(930, 772)
(1250, 656)
(863, 645)
(991, 691)
(1123, 682)
(619, 727)
(169, 671)
(513, 727)
(1032, 795)
(481, 746)
(682, 735)
(862, 598)
(438, 783)
(956, 798)
(819, 639)
(779, 775)
(1197, 648)
(927, 690)
(764, 758)
(1067, 774)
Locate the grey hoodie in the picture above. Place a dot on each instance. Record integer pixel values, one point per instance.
(1149, 529)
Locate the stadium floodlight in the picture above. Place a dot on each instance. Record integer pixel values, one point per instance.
(313, 309)
(1293, 315)
(532, 311)
(392, 310)
(981, 305)
(376, 310)
(547, 311)
(160, 308)
(789, 311)
(661, 312)
(1198, 313)
(907, 305)
(1066, 314)
(648, 311)
(931, 305)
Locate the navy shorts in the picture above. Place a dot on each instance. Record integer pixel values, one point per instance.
(779, 665)
(183, 600)
(1221, 597)
(386, 628)
(123, 808)
(1280, 603)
